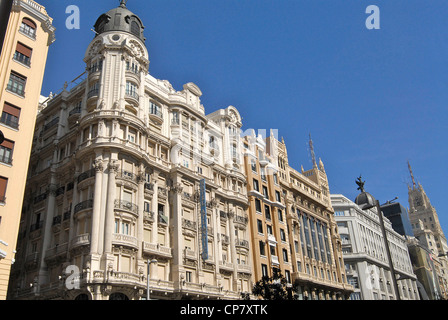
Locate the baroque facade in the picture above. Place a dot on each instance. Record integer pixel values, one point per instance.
(114, 186)
(28, 36)
(365, 254)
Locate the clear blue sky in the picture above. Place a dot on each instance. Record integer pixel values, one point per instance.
(371, 99)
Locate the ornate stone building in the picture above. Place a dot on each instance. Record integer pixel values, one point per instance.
(115, 184)
(292, 222)
(427, 229)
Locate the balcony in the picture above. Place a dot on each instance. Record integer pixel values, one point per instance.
(242, 243)
(80, 240)
(86, 174)
(156, 115)
(157, 249)
(83, 205)
(125, 240)
(126, 205)
(132, 96)
(93, 93)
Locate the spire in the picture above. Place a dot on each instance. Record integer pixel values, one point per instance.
(412, 175)
(313, 156)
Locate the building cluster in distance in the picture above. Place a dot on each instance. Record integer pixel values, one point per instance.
(132, 185)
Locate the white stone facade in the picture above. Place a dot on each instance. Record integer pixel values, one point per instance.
(365, 254)
(114, 181)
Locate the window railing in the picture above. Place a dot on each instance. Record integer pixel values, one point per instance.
(6, 158)
(19, 57)
(51, 124)
(17, 89)
(126, 205)
(86, 174)
(93, 93)
(132, 94)
(75, 110)
(83, 205)
(10, 121)
(28, 32)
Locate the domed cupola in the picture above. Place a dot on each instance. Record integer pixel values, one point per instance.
(120, 19)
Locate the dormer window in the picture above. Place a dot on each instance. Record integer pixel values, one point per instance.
(135, 28)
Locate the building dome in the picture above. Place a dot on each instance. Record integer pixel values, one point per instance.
(365, 200)
(120, 19)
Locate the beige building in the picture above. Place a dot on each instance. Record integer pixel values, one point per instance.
(427, 229)
(22, 64)
(292, 222)
(115, 182)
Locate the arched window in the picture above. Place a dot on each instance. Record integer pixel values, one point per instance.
(28, 27)
(135, 28)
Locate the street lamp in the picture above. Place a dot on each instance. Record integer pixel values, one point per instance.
(366, 201)
(147, 277)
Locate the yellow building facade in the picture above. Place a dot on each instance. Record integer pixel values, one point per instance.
(22, 64)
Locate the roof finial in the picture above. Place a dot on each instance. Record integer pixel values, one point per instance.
(360, 183)
(412, 175)
(123, 3)
(313, 156)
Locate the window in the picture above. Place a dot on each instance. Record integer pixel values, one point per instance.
(282, 235)
(135, 28)
(6, 149)
(188, 276)
(264, 270)
(16, 84)
(28, 28)
(155, 109)
(267, 212)
(257, 205)
(285, 255)
(23, 54)
(280, 215)
(256, 187)
(3, 184)
(262, 248)
(260, 226)
(253, 165)
(175, 118)
(275, 178)
(10, 116)
(263, 174)
(265, 192)
(131, 89)
(269, 229)
(277, 196)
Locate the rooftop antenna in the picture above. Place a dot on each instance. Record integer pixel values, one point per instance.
(313, 156)
(412, 175)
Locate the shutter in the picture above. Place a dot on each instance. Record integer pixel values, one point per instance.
(29, 23)
(24, 50)
(8, 144)
(3, 182)
(14, 111)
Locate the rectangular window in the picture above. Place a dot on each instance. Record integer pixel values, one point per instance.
(277, 196)
(16, 84)
(262, 248)
(23, 54)
(267, 212)
(260, 226)
(285, 255)
(10, 116)
(257, 205)
(6, 149)
(3, 185)
(28, 28)
(256, 187)
(282, 235)
(264, 270)
(265, 192)
(253, 165)
(280, 215)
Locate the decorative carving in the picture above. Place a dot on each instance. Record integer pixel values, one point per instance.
(98, 165)
(360, 184)
(114, 166)
(177, 188)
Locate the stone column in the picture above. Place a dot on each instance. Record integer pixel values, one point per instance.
(231, 215)
(96, 212)
(110, 212)
(154, 207)
(46, 229)
(178, 240)
(140, 203)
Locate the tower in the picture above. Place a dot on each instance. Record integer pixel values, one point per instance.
(426, 226)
